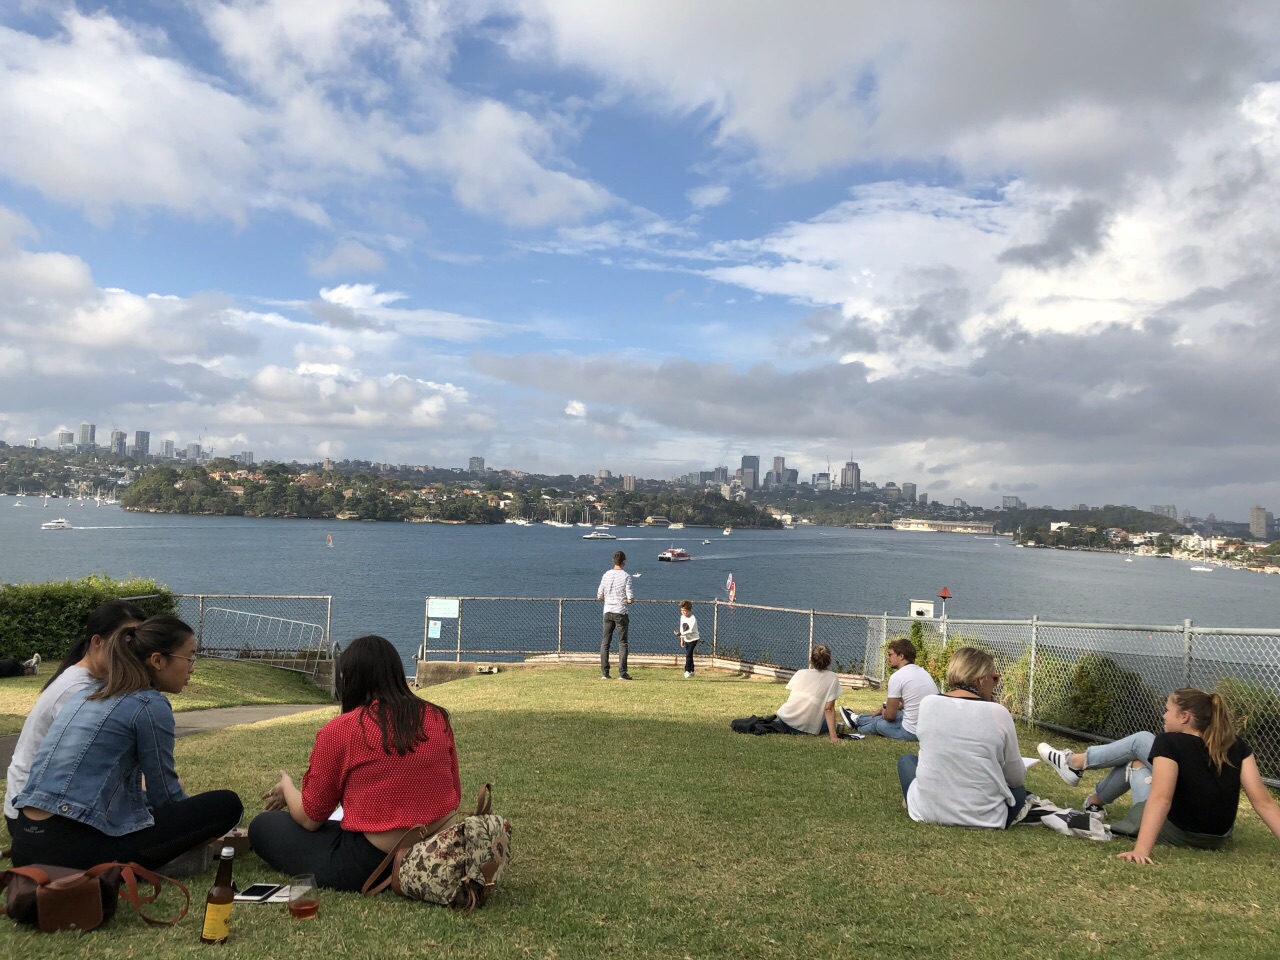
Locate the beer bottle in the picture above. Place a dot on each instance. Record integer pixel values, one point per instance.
(217, 905)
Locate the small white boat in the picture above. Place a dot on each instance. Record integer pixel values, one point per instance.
(706, 543)
(598, 535)
(674, 554)
(727, 531)
(1202, 566)
(58, 524)
(675, 526)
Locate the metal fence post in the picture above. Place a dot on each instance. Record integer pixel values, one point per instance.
(882, 653)
(1186, 653)
(328, 620)
(458, 657)
(810, 634)
(1031, 670)
(200, 626)
(426, 627)
(560, 627)
(715, 626)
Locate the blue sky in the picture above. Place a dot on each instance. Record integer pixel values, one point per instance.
(988, 249)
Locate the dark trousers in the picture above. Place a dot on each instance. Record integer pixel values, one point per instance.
(688, 656)
(178, 827)
(611, 620)
(339, 859)
(10, 667)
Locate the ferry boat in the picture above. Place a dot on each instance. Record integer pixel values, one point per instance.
(675, 526)
(58, 524)
(728, 530)
(674, 554)
(598, 535)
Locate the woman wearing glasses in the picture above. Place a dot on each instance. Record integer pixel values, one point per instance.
(85, 801)
(969, 772)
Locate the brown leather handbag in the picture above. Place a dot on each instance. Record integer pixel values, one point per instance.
(60, 898)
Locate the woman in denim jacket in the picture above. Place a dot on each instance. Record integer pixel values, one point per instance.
(85, 801)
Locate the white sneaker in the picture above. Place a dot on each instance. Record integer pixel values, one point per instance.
(33, 664)
(688, 674)
(850, 718)
(1060, 760)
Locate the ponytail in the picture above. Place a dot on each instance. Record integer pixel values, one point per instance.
(1210, 716)
(128, 652)
(104, 621)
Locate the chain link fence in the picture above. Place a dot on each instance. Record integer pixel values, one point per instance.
(289, 632)
(1090, 681)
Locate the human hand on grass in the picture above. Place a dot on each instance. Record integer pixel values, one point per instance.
(1133, 856)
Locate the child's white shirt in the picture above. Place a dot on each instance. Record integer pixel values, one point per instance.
(688, 629)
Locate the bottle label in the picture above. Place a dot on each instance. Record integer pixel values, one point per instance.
(217, 921)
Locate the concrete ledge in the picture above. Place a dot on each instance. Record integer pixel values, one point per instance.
(431, 672)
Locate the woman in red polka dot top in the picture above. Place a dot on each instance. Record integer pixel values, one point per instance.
(386, 763)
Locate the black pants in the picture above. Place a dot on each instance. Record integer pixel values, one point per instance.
(688, 656)
(339, 859)
(178, 827)
(622, 621)
(10, 667)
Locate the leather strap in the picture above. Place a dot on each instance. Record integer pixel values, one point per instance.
(129, 874)
(403, 842)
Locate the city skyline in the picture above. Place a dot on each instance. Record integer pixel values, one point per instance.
(562, 236)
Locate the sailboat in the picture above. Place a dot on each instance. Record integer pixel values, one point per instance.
(1202, 566)
(328, 541)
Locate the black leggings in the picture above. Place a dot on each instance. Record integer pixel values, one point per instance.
(339, 859)
(179, 827)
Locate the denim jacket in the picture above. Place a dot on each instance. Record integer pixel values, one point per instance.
(90, 766)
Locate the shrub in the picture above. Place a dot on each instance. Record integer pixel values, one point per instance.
(47, 618)
(1257, 713)
(1052, 684)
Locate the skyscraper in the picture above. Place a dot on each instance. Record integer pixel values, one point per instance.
(193, 452)
(629, 482)
(850, 477)
(751, 464)
(1258, 523)
(475, 466)
(141, 444)
(88, 436)
(119, 442)
(66, 439)
(166, 449)
(909, 492)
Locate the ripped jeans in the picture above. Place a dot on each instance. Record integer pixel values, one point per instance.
(1119, 755)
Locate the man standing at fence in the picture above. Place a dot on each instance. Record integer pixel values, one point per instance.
(615, 591)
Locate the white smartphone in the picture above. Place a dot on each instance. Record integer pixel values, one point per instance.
(257, 893)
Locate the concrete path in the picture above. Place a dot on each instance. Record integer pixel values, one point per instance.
(199, 721)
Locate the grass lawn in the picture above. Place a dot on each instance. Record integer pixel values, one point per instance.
(216, 683)
(642, 826)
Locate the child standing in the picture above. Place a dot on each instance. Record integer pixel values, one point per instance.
(688, 634)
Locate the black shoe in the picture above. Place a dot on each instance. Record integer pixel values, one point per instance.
(624, 676)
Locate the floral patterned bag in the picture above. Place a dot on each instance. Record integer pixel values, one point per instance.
(454, 862)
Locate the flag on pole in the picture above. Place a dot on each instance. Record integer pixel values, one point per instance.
(731, 587)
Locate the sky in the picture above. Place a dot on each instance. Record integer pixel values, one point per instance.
(988, 248)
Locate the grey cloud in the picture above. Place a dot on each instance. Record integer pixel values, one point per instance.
(940, 468)
(341, 317)
(1074, 232)
(835, 335)
(940, 306)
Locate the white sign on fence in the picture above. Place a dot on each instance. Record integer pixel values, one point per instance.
(442, 608)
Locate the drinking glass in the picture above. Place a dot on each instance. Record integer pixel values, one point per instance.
(304, 901)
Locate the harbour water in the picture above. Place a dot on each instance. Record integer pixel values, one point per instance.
(379, 573)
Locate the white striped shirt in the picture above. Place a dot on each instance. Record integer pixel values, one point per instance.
(615, 590)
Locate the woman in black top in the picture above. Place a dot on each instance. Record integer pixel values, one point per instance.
(1198, 767)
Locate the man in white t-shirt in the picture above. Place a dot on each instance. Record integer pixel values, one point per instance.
(907, 687)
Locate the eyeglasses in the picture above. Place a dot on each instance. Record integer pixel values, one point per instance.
(995, 677)
(191, 659)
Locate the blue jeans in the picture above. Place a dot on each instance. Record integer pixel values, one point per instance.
(1118, 755)
(908, 762)
(880, 727)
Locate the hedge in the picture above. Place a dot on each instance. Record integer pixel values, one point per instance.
(47, 618)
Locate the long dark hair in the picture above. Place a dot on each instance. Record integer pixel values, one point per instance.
(104, 621)
(129, 648)
(371, 678)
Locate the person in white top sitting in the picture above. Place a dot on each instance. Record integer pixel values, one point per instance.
(811, 707)
(908, 686)
(970, 771)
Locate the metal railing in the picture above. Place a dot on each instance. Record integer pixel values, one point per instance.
(289, 632)
(1094, 681)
